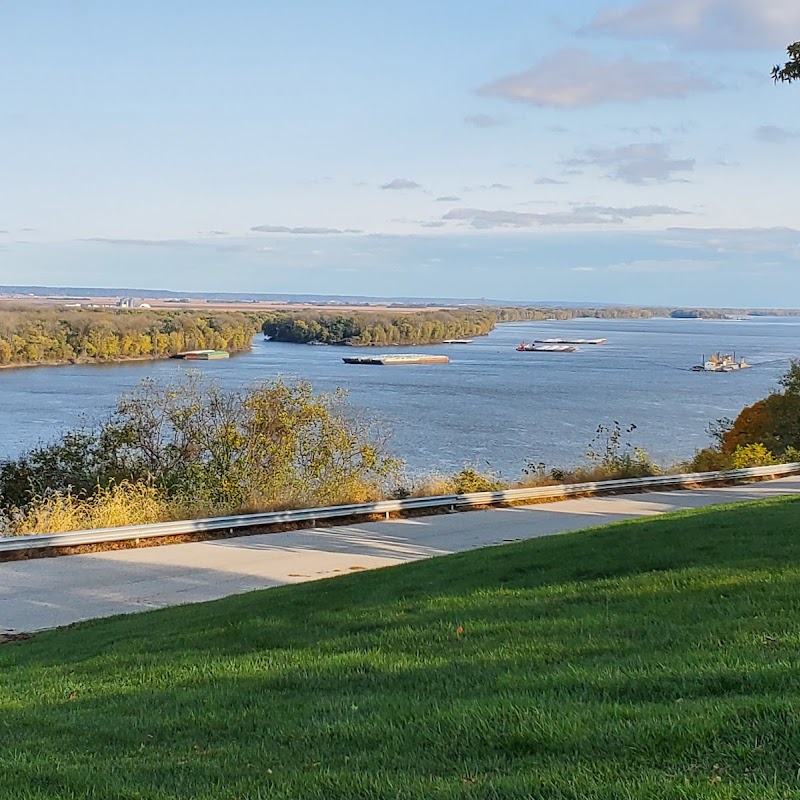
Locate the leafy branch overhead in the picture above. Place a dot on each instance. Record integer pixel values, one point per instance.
(790, 71)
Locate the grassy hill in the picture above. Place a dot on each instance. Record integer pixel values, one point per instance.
(650, 659)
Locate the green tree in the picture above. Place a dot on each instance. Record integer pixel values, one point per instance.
(790, 71)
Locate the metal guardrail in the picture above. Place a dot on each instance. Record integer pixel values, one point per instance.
(383, 507)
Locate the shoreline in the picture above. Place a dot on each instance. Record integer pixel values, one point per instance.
(84, 362)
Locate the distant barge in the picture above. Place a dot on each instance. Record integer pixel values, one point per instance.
(457, 341)
(570, 341)
(202, 355)
(524, 347)
(397, 358)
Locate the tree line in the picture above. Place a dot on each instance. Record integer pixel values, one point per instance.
(423, 327)
(71, 335)
(431, 327)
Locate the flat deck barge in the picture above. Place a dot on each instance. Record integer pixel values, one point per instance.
(396, 358)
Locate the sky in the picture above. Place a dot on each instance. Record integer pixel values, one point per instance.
(594, 151)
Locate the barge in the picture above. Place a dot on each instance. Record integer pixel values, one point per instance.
(202, 355)
(570, 341)
(524, 347)
(457, 341)
(396, 358)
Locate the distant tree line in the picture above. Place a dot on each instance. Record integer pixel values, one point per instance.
(423, 327)
(428, 327)
(64, 335)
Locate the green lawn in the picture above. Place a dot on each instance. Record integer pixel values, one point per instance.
(655, 659)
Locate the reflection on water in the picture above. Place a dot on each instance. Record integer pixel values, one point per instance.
(490, 404)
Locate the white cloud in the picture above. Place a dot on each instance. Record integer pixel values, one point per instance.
(483, 121)
(735, 241)
(773, 134)
(704, 23)
(303, 230)
(656, 265)
(577, 78)
(642, 163)
(483, 219)
(401, 183)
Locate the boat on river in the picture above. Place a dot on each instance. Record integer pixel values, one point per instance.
(457, 341)
(721, 363)
(525, 347)
(202, 355)
(570, 341)
(397, 358)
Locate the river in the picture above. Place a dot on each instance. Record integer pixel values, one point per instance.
(490, 407)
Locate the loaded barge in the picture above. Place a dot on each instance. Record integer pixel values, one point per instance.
(570, 341)
(524, 347)
(202, 355)
(397, 358)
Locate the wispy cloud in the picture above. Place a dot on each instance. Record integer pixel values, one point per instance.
(483, 219)
(486, 187)
(773, 134)
(549, 182)
(642, 163)
(401, 183)
(703, 23)
(302, 230)
(735, 241)
(483, 120)
(666, 265)
(448, 198)
(577, 78)
(144, 242)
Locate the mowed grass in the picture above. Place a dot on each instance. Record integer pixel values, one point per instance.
(655, 659)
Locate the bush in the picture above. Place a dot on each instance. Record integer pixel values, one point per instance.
(612, 456)
(469, 480)
(275, 445)
(710, 460)
(752, 455)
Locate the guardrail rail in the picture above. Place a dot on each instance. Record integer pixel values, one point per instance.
(384, 507)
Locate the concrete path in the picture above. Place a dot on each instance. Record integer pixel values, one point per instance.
(49, 592)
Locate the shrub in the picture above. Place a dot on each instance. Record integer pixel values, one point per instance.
(752, 455)
(469, 480)
(710, 460)
(614, 457)
(275, 445)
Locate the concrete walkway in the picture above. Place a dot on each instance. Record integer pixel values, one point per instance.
(49, 592)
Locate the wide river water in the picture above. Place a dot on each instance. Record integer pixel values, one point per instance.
(491, 405)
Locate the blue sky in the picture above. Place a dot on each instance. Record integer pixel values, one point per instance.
(594, 151)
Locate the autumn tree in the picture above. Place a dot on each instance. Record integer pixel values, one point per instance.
(773, 421)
